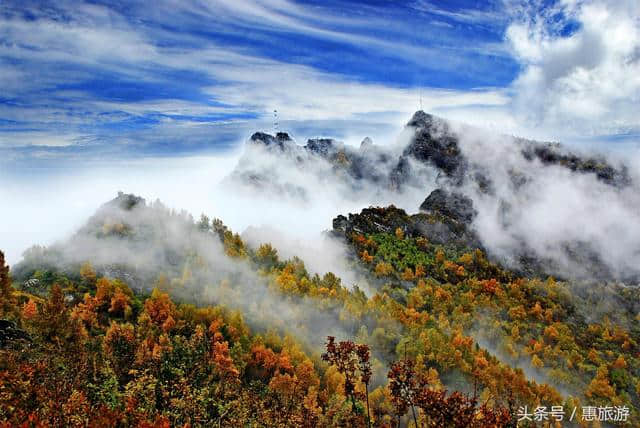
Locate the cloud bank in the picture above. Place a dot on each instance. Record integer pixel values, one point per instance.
(580, 67)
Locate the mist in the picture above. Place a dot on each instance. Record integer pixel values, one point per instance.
(290, 200)
(150, 245)
(47, 205)
(581, 226)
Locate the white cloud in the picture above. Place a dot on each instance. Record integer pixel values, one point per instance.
(586, 83)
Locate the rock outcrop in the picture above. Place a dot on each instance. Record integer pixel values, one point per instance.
(454, 206)
(446, 219)
(552, 154)
(323, 147)
(434, 143)
(438, 154)
(279, 141)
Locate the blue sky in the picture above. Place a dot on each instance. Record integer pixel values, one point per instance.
(114, 79)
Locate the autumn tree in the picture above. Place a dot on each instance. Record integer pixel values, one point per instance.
(366, 257)
(222, 361)
(404, 385)
(267, 255)
(54, 317)
(352, 361)
(600, 385)
(383, 269)
(160, 309)
(120, 304)
(29, 310)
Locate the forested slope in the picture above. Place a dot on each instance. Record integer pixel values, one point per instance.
(192, 345)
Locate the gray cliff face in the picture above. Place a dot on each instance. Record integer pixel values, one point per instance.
(324, 147)
(552, 154)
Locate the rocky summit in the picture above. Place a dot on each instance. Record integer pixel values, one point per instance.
(433, 144)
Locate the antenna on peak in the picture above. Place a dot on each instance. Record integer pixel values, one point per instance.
(275, 121)
(420, 97)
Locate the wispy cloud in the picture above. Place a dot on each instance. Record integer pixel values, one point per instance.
(490, 14)
(87, 72)
(115, 75)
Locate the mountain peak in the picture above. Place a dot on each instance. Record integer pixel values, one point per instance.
(126, 201)
(268, 140)
(420, 119)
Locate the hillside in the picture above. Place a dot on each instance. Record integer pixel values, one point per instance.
(464, 311)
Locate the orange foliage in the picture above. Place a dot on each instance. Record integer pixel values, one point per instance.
(168, 324)
(76, 409)
(120, 303)
(551, 332)
(490, 286)
(460, 341)
(86, 312)
(620, 363)
(517, 313)
(536, 362)
(159, 307)
(265, 359)
(223, 362)
(29, 310)
(408, 275)
(366, 257)
(104, 291)
(383, 269)
(600, 386)
(536, 310)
